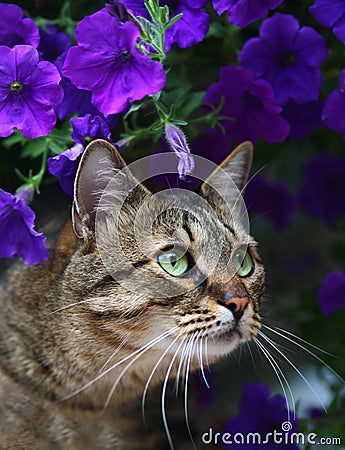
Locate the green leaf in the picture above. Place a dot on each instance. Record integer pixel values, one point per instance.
(34, 148)
(193, 101)
(56, 147)
(135, 107)
(174, 20)
(14, 139)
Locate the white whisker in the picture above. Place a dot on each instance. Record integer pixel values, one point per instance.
(202, 364)
(306, 349)
(273, 344)
(164, 417)
(280, 376)
(140, 351)
(154, 370)
(189, 358)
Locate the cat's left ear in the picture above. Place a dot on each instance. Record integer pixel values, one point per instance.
(99, 165)
(236, 166)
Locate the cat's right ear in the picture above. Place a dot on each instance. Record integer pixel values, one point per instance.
(100, 163)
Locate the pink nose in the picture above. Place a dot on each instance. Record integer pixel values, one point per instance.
(237, 304)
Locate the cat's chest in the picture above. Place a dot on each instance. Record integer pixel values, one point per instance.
(28, 420)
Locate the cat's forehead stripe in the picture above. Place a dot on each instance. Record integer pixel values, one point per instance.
(228, 227)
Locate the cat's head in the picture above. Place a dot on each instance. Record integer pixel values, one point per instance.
(173, 266)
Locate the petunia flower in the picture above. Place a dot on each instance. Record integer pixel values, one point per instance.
(262, 414)
(323, 192)
(190, 29)
(17, 221)
(333, 114)
(14, 29)
(65, 165)
(107, 62)
(178, 143)
(288, 57)
(331, 294)
(331, 14)
(270, 199)
(244, 12)
(29, 90)
(53, 43)
(249, 106)
(303, 119)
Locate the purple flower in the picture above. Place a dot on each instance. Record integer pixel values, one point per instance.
(65, 165)
(331, 14)
(249, 104)
(303, 119)
(14, 30)
(323, 191)
(53, 43)
(333, 113)
(263, 414)
(177, 142)
(17, 229)
(75, 101)
(331, 294)
(287, 57)
(244, 12)
(29, 89)
(190, 29)
(273, 200)
(107, 62)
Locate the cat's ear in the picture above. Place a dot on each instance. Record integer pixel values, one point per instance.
(236, 166)
(100, 163)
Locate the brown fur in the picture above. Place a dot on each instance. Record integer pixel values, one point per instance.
(53, 341)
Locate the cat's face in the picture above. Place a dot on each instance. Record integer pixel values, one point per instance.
(166, 269)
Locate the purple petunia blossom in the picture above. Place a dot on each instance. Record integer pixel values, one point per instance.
(178, 143)
(273, 200)
(107, 62)
(331, 14)
(75, 101)
(331, 294)
(14, 30)
(323, 191)
(249, 105)
(260, 413)
(303, 119)
(17, 229)
(287, 57)
(53, 43)
(244, 12)
(29, 89)
(190, 29)
(65, 165)
(333, 113)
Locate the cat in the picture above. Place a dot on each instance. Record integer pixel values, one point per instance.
(105, 319)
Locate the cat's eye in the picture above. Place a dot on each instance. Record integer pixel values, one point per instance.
(175, 263)
(243, 263)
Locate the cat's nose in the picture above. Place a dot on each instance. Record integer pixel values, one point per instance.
(236, 305)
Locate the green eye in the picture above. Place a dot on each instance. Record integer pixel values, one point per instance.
(243, 263)
(173, 263)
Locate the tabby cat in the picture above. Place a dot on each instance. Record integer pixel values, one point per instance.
(80, 343)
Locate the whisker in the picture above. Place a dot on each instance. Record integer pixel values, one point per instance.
(93, 299)
(181, 363)
(124, 370)
(140, 350)
(164, 417)
(118, 348)
(280, 376)
(154, 370)
(189, 358)
(306, 349)
(201, 364)
(273, 344)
